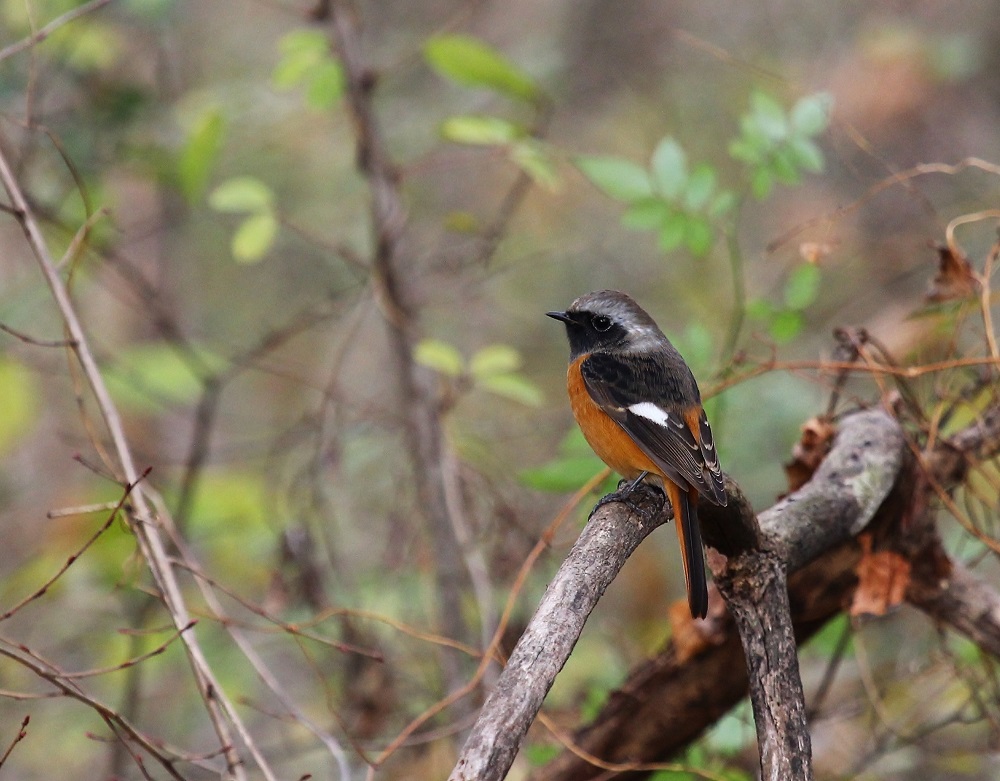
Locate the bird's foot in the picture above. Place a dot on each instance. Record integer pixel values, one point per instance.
(638, 501)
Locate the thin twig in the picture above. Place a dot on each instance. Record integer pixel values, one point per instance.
(51, 27)
(221, 711)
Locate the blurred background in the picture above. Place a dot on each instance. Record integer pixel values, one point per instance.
(226, 284)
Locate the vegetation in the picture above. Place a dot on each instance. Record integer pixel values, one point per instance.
(287, 457)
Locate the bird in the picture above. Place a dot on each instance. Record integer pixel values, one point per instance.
(639, 408)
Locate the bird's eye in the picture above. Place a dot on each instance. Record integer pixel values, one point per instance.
(601, 323)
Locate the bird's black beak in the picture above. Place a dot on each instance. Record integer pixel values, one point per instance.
(563, 316)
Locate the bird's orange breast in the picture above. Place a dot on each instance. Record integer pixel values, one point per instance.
(609, 440)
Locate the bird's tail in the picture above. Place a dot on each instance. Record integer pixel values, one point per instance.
(689, 535)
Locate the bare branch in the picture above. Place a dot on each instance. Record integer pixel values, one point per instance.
(51, 27)
(220, 709)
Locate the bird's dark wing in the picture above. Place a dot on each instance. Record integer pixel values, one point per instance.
(660, 409)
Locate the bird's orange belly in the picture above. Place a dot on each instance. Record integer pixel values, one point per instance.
(609, 440)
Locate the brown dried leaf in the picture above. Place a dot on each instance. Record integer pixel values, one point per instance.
(815, 251)
(883, 577)
(809, 451)
(692, 637)
(954, 279)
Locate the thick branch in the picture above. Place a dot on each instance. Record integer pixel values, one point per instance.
(608, 539)
(667, 702)
(425, 441)
(863, 466)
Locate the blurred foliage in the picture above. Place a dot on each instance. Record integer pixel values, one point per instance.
(266, 397)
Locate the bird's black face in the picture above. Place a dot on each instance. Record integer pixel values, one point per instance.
(589, 331)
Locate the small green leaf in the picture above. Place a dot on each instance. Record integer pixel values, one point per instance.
(470, 62)
(802, 286)
(722, 204)
(700, 187)
(806, 154)
(495, 359)
(254, 237)
(439, 356)
(241, 194)
(539, 754)
(698, 236)
(672, 231)
(469, 129)
(304, 41)
(146, 377)
(616, 177)
(783, 166)
(760, 309)
(513, 387)
(562, 475)
(811, 114)
(786, 325)
(697, 345)
(19, 402)
(532, 158)
(198, 155)
(325, 85)
(302, 50)
(761, 183)
(769, 117)
(461, 222)
(646, 214)
(669, 167)
(741, 149)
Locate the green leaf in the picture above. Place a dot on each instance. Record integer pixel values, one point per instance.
(786, 325)
(562, 475)
(722, 204)
(698, 346)
(302, 50)
(89, 46)
(811, 114)
(254, 237)
(698, 236)
(539, 754)
(761, 183)
(495, 359)
(199, 153)
(20, 397)
(513, 387)
(146, 377)
(806, 154)
(783, 166)
(802, 286)
(304, 41)
(439, 356)
(326, 85)
(768, 116)
(469, 129)
(241, 194)
(470, 62)
(531, 157)
(461, 222)
(700, 187)
(616, 177)
(646, 214)
(672, 231)
(669, 167)
(760, 309)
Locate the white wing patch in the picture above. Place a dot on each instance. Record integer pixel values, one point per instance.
(650, 411)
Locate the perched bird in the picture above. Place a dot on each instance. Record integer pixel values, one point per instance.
(638, 405)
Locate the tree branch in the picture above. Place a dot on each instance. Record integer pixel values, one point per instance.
(422, 424)
(844, 495)
(142, 520)
(668, 701)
